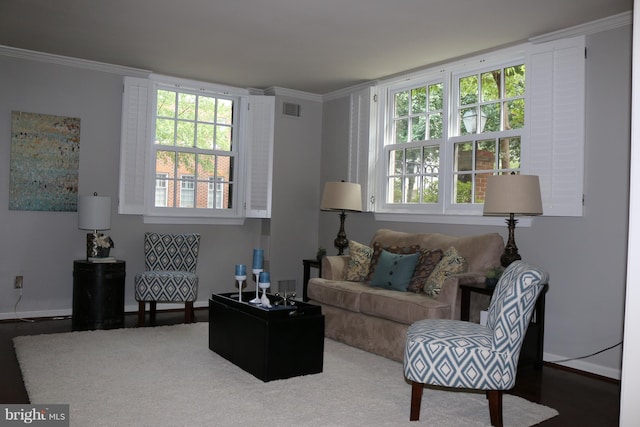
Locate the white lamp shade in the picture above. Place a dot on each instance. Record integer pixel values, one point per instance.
(94, 212)
(513, 194)
(345, 196)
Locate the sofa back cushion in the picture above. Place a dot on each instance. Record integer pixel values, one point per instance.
(481, 252)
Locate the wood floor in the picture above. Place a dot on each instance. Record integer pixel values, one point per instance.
(582, 400)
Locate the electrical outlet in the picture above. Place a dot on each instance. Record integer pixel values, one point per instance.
(18, 282)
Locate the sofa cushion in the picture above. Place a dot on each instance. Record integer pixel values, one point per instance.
(451, 263)
(358, 267)
(481, 252)
(337, 293)
(394, 271)
(395, 249)
(403, 307)
(427, 261)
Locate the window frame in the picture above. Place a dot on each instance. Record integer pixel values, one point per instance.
(449, 78)
(254, 168)
(456, 137)
(388, 135)
(237, 152)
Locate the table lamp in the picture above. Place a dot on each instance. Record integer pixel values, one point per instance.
(341, 196)
(94, 213)
(512, 195)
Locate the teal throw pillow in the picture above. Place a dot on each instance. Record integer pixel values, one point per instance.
(394, 271)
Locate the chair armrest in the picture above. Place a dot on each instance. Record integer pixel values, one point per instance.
(450, 293)
(334, 267)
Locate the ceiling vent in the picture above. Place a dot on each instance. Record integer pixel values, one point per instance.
(290, 109)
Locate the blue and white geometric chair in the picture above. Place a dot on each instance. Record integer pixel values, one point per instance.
(170, 261)
(455, 353)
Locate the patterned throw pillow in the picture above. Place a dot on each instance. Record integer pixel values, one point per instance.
(394, 271)
(427, 261)
(451, 263)
(377, 250)
(358, 266)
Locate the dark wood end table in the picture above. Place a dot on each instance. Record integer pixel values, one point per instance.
(308, 264)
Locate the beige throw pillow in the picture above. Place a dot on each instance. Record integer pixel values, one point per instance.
(358, 266)
(451, 263)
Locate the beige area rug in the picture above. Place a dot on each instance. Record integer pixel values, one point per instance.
(167, 376)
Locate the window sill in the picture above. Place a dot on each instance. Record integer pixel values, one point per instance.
(523, 221)
(191, 220)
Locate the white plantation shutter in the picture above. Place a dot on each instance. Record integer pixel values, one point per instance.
(556, 102)
(362, 144)
(258, 134)
(133, 145)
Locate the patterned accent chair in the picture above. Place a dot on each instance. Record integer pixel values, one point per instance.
(170, 276)
(455, 353)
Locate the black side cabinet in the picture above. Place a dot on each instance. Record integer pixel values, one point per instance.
(98, 295)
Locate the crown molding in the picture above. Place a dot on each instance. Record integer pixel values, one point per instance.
(341, 93)
(292, 93)
(71, 62)
(604, 24)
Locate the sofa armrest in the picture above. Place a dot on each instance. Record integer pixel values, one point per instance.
(334, 267)
(450, 293)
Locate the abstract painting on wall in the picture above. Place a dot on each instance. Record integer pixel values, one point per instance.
(45, 154)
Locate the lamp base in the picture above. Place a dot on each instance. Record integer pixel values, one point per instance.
(92, 244)
(508, 256)
(341, 241)
(510, 253)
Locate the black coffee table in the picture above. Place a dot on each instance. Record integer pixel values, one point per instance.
(271, 344)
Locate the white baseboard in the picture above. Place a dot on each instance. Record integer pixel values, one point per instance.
(581, 365)
(132, 308)
(35, 314)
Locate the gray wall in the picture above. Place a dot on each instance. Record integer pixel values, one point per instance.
(296, 207)
(586, 257)
(41, 246)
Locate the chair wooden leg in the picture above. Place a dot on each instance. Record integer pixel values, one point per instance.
(495, 407)
(188, 312)
(141, 308)
(416, 400)
(152, 312)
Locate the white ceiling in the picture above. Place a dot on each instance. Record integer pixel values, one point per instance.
(317, 46)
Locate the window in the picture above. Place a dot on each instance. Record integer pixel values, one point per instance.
(413, 152)
(161, 189)
(187, 191)
(475, 123)
(178, 136)
(215, 193)
(424, 143)
(489, 125)
(194, 142)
